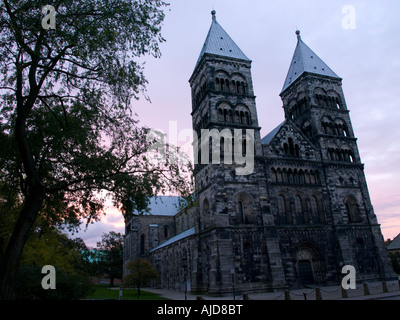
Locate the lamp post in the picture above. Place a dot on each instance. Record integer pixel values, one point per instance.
(233, 283)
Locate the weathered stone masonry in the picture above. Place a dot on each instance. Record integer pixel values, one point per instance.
(303, 212)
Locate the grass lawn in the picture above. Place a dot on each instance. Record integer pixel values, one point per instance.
(103, 291)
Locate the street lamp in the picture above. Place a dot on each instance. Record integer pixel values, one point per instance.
(233, 283)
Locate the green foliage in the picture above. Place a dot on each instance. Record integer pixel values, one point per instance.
(50, 247)
(140, 273)
(395, 258)
(66, 116)
(69, 286)
(80, 128)
(110, 255)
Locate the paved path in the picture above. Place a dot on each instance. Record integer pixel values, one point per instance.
(328, 293)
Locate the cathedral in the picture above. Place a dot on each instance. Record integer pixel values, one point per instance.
(299, 215)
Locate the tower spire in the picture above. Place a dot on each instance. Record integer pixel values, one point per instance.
(219, 43)
(305, 60)
(298, 35)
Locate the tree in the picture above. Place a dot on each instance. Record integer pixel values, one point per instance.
(66, 115)
(49, 246)
(395, 259)
(140, 273)
(110, 259)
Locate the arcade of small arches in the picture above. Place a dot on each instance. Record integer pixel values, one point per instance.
(199, 93)
(327, 101)
(336, 128)
(291, 149)
(295, 176)
(243, 205)
(292, 209)
(239, 115)
(201, 123)
(298, 106)
(235, 84)
(299, 209)
(344, 155)
(223, 83)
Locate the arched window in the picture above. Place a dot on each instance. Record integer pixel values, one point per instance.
(241, 117)
(301, 176)
(274, 177)
(317, 209)
(286, 148)
(244, 208)
(291, 149)
(247, 116)
(244, 146)
(222, 148)
(284, 214)
(297, 150)
(291, 146)
(227, 85)
(238, 87)
(352, 210)
(243, 87)
(299, 210)
(220, 115)
(225, 115)
(230, 116)
(242, 217)
(312, 177)
(337, 103)
(282, 209)
(142, 243)
(279, 175)
(165, 231)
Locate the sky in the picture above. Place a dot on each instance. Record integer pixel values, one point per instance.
(358, 40)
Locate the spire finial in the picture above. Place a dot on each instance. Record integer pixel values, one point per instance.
(298, 34)
(213, 15)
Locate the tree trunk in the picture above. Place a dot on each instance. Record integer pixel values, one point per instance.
(34, 195)
(12, 257)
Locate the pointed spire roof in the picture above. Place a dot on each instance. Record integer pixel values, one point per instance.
(305, 60)
(218, 42)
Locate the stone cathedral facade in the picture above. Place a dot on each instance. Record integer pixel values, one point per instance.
(302, 213)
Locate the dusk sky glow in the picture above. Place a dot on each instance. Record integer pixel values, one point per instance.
(367, 57)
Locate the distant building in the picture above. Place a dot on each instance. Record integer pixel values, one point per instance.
(394, 246)
(394, 253)
(302, 213)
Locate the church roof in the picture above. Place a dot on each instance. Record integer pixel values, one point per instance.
(163, 206)
(268, 138)
(305, 60)
(395, 244)
(178, 237)
(218, 42)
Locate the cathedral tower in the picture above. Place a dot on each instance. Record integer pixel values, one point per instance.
(229, 175)
(313, 99)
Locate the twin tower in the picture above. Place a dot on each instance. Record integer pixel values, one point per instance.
(301, 213)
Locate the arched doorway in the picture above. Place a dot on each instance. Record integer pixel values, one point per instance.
(305, 267)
